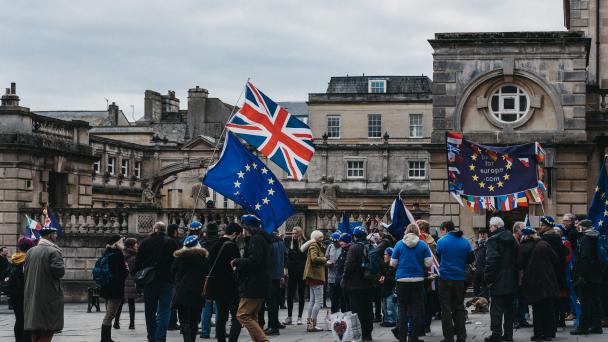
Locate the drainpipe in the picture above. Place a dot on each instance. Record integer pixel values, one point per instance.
(597, 43)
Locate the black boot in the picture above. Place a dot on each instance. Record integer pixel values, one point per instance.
(106, 333)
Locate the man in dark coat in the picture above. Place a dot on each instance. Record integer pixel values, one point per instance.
(209, 241)
(572, 234)
(547, 233)
(501, 278)
(225, 289)
(539, 282)
(589, 271)
(253, 271)
(360, 289)
(479, 286)
(156, 252)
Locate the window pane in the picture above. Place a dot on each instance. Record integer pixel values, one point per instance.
(495, 103)
(374, 124)
(523, 103)
(333, 126)
(509, 90)
(509, 103)
(509, 117)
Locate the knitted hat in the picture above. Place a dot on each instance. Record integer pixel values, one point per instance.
(345, 237)
(528, 231)
(334, 237)
(195, 225)
(251, 220)
(389, 251)
(560, 227)
(360, 231)
(113, 239)
(191, 241)
(548, 220)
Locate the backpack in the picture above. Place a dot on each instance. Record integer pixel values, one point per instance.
(602, 248)
(372, 257)
(101, 271)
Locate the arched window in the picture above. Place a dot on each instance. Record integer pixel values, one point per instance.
(509, 103)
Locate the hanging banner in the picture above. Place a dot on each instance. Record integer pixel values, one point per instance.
(494, 178)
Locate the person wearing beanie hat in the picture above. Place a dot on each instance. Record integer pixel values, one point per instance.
(43, 296)
(195, 227)
(333, 253)
(254, 274)
(189, 269)
(548, 234)
(588, 281)
(346, 238)
(547, 220)
(539, 283)
(359, 288)
(386, 284)
(15, 286)
(113, 291)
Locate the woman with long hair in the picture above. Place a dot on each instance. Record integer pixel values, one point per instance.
(113, 292)
(130, 251)
(296, 260)
(314, 276)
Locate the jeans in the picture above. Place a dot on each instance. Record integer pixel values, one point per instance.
(188, 319)
(316, 301)
(411, 304)
(543, 318)
(208, 310)
(112, 305)
(361, 304)
(157, 301)
(335, 293)
(225, 306)
(295, 282)
(389, 309)
(501, 307)
(451, 297)
(247, 314)
(520, 310)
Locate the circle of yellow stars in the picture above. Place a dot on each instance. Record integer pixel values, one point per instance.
(490, 186)
(264, 171)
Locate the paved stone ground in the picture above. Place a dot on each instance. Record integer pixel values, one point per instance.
(83, 326)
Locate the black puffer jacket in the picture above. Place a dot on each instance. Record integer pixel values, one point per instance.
(500, 264)
(118, 269)
(189, 269)
(296, 259)
(157, 250)
(353, 270)
(253, 269)
(225, 284)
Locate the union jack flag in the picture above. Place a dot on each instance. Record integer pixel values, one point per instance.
(274, 132)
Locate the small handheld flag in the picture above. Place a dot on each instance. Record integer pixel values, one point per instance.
(400, 218)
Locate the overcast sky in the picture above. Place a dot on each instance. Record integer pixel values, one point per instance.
(73, 54)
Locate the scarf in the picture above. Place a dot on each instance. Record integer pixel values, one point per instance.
(18, 258)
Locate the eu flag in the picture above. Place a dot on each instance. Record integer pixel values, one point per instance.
(598, 211)
(242, 177)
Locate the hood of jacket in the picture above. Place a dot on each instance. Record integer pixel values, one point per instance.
(503, 236)
(307, 244)
(592, 233)
(188, 252)
(411, 240)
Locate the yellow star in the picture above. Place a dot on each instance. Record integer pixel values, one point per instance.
(270, 181)
(255, 166)
(603, 195)
(506, 176)
(597, 189)
(606, 202)
(600, 222)
(475, 178)
(237, 184)
(270, 192)
(247, 167)
(237, 193)
(491, 187)
(499, 184)
(474, 157)
(241, 174)
(264, 170)
(472, 167)
(508, 166)
(257, 206)
(265, 200)
(482, 184)
(605, 212)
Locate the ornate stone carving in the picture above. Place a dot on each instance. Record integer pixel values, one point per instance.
(328, 194)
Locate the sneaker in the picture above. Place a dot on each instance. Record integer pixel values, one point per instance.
(299, 322)
(270, 332)
(287, 321)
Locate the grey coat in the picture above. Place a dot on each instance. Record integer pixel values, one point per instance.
(332, 254)
(43, 297)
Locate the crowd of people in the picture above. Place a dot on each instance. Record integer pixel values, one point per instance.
(247, 274)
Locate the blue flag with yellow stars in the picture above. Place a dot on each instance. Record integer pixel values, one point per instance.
(598, 211)
(242, 177)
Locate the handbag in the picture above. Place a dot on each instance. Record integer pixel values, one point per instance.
(209, 279)
(144, 277)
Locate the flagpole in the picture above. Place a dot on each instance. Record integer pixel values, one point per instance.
(217, 144)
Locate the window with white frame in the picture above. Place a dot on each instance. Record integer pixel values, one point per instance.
(377, 86)
(374, 126)
(96, 166)
(416, 127)
(111, 162)
(416, 169)
(509, 103)
(355, 169)
(333, 126)
(124, 167)
(137, 169)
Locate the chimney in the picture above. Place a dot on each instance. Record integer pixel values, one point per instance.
(152, 106)
(113, 114)
(10, 97)
(197, 103)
